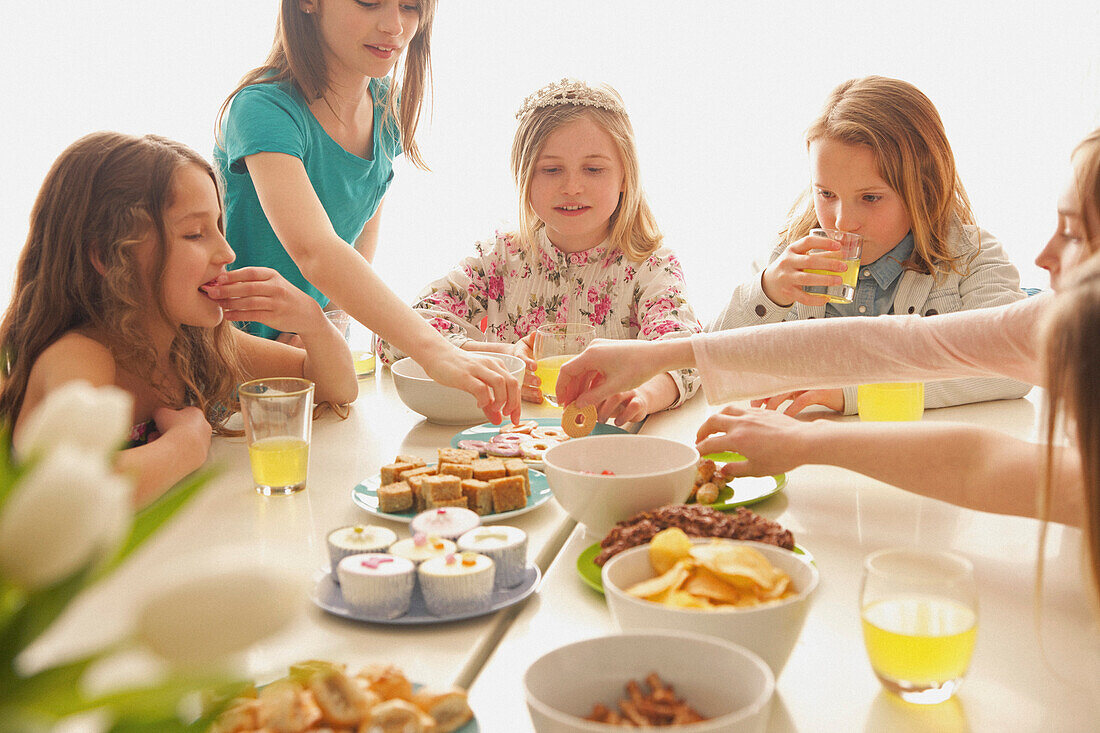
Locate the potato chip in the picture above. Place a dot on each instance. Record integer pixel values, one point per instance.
(667, 547)
(672, 579)
(706, 584)
(740, 565)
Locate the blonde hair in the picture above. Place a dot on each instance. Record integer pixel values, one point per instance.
(296, 56)
(903, 130)
(105, 195)
(634, 229)
(1072, 368)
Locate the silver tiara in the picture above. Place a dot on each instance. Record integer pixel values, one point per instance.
(573, 92)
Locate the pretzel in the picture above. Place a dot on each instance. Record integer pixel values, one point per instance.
(524, 427)
(578, 423)
(661, 707)
(550, 432)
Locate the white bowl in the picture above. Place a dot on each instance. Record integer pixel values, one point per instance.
(770, 630)
(722, 681)
(438, 403)
(649, 472)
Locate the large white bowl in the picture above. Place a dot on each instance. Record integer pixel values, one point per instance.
(722, 681)
(649, 472)
(770, 630)
(438, 403)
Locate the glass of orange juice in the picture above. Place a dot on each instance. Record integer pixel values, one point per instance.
(851, 249)
(890, 401)
(360, 341)
(278, 419)
(555, 344)
(919, 611)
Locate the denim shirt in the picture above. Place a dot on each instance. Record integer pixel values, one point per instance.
(876, 284)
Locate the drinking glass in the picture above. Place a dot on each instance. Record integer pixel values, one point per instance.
(920, 620)
(278, 419)
(851, 247)
(360, 341)
(890, 401)
(555, 344)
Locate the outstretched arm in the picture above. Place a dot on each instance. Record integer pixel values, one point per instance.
(301, 224)
(965, 465)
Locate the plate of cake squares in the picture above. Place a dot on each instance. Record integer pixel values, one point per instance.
(495, 487)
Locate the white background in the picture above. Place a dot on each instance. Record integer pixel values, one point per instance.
(719, 92)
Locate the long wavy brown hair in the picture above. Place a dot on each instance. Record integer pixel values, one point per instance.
(105, 195)
(904, 131)
(296, 56)
(1073, 358)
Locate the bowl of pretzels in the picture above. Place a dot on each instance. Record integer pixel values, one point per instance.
(604, 479)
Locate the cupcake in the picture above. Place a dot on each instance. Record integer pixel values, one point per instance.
(505, 546)
(377, 584)
(455, 584)
(355, 540)
(421, 547)
(450, 522)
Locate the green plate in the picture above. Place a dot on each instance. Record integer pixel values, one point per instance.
(743, 490)
(590, 572)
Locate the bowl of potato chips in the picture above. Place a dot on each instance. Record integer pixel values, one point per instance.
(749, 593)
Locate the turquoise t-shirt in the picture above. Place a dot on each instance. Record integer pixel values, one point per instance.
(274, 118)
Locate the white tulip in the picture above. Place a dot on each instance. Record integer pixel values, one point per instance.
(76, 413)
(202, 612)
(67, 511)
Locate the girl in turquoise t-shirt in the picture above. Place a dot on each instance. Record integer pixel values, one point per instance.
(306, 145)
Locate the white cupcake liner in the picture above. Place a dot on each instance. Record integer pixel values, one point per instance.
(450, 594)
(383, 596)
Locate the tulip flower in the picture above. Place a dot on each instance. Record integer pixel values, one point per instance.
(68, 511)
(77, 414)
(198, 618)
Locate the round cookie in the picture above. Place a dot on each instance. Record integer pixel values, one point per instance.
(578, 423)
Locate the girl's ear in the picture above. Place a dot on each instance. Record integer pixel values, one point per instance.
(307, 6)
(96, 260)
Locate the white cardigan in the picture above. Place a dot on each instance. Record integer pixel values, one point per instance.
(989, 279)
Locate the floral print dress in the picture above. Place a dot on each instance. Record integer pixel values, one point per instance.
(517, 290)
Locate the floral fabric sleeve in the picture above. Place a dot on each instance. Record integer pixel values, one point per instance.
(661, 311)
(455, 303)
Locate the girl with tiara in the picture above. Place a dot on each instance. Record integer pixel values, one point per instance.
(881, 166)
(113, 287)
(587, 250)
(306, 146)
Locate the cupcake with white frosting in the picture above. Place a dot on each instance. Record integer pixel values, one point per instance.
(356, 540)
(377, 584)
(505, 546)
(456, 584)
(421, 547)
(449, 522)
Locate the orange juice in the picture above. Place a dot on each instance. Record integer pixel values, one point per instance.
(848, 278)
(920, 641)
(547, 370)
(363, 361)
(279, 463)
(891, 401)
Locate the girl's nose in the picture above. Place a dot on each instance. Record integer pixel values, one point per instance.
(223, 253)
(846, 220)
(571, 183)
(389, 19)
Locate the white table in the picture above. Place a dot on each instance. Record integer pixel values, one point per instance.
(828, 685)
(837, 515)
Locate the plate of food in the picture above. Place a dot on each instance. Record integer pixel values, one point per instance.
(495, 488)
(695, 520)
(326, 595)
(710, 490)
(378, 697)
(528, 441)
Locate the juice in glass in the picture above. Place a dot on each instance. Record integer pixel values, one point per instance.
(547, 370)
(919, 642)
(891, 401)
(840, 293)
(279, 461)
(363, 359)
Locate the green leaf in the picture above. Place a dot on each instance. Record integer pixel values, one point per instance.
(9, 472)
(39, 610)
(52, 693)
(149, 519)
(148, 705)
